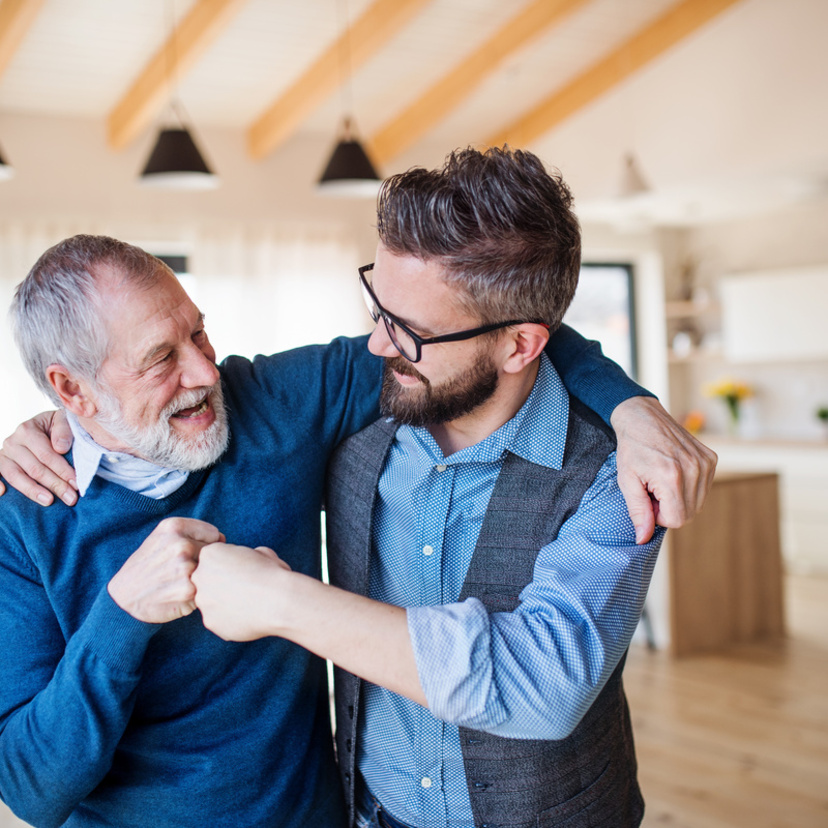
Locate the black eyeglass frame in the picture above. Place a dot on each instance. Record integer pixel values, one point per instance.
(389, 320)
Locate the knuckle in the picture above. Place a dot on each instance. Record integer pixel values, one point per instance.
(175, 526)
(23, 429)
(36, 472)
(673, 472)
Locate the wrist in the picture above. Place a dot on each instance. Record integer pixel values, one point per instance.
(279, 599)
(631, 409)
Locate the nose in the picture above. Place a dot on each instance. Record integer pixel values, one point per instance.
(380, 344)
(198, 369)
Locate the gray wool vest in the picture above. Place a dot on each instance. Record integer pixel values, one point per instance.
(587, 780)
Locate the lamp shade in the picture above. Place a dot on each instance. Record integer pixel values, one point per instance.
(6, 171)
(350, 172)
(176, 163)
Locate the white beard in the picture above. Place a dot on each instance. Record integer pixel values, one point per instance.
(159, 443)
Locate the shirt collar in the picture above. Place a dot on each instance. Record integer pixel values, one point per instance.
(537, 432)
(137, 475)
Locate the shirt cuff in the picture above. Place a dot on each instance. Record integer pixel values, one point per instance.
(452, 648)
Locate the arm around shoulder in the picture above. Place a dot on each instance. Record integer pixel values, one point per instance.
(32, 461)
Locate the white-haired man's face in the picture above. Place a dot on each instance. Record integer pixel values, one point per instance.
(158, 393)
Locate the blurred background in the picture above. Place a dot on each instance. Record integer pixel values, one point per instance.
(694, 136)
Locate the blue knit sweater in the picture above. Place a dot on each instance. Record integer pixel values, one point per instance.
(106, 720)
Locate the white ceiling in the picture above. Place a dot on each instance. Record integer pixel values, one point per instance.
(79, 58)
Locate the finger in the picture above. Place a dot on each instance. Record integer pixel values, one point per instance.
(33, 437)
(268, 552)
(61, 433)
(28, 453)
(198, 531)
(641, 508)
(35, 481)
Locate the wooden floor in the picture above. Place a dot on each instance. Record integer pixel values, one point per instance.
(738, 740)
(732, 741)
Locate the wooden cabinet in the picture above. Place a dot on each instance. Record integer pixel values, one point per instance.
(726, 568)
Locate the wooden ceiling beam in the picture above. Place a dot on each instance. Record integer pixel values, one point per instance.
(437, 102)
(375, 27)
(649, 43)
(196, 32)
(16, 17)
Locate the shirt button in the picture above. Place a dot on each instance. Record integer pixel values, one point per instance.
(428, 550)
(112, 458)
(425, 782)
(441, 467)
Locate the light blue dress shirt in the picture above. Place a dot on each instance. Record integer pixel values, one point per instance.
(125, 470)
(531, 673)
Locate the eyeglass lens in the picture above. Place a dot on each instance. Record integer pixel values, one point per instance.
(401, 340)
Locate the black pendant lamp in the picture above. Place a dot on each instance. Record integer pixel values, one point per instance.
(349, 172)
(6, 171)
(176, 163)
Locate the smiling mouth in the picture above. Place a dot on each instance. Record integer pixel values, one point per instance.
(195, 411)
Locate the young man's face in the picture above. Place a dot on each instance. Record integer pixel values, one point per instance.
(159, 393)
(452, 379)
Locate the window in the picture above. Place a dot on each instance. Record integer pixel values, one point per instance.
(603, 309)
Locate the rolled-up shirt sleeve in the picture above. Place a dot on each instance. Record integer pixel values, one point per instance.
(534, 672)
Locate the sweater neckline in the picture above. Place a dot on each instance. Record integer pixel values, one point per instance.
(100, 488)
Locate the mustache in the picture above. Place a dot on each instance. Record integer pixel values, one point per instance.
(188, 399)
(402, 366)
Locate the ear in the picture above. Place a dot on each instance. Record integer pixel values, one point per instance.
(74, 393)
(528, 340)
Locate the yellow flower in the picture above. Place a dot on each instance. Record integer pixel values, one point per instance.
(729, 389)
(731, 393)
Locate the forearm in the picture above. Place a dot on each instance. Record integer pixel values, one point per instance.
(61, 725)
(593, 378)
(368, 638)
(245, 594)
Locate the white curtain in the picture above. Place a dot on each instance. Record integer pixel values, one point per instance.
(269, 291)
(262, 290)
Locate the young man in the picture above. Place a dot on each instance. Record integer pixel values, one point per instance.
(492, 573)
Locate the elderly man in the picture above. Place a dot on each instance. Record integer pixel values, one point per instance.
(117, 706)
(499, 581)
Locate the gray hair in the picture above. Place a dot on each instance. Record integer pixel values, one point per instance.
(56, 311)
(500, 225)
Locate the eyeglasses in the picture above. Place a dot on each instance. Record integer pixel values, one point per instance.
(408, 343)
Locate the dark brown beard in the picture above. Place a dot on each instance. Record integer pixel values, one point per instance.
(433, 405)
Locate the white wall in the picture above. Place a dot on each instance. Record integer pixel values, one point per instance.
(787, 391)
(274, 262)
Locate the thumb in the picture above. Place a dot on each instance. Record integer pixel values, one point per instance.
(59, 432)
(269, 553)
(642, 509)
